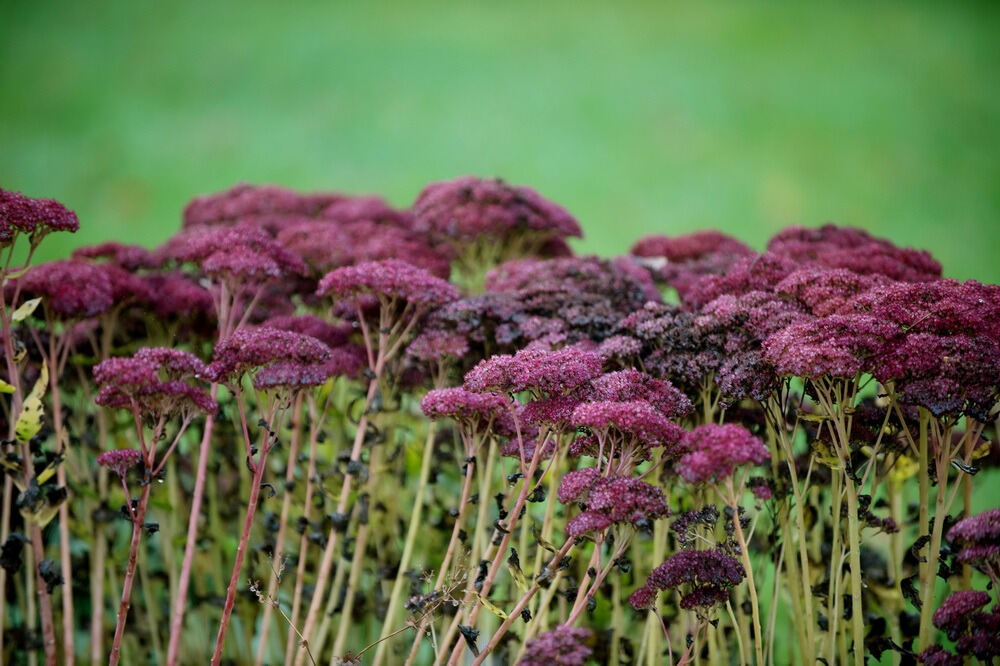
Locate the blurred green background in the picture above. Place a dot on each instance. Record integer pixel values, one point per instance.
(643, 118)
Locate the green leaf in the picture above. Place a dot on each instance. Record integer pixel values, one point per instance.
(26, 309)
(5, 387)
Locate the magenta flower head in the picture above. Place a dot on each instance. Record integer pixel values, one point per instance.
(129, 257)
(157, 382)
(325, 245)
(32, 217)
(391, 280)
(704, 578)
(465, 407)
(307, 324)
(563, 646)
(825, 291)
(119, 461)
(760, 272)
(179, 297)
(539, 371)
(625, 385)
(233, 254)
(469, 209)
(856, 250)
(249, 350)
(954, 613)
(715, 451)
(252, 201)
(366, 208)
(978, 538)
(290, 375)
(611, 500)
(435, 345)
(936, 655)
(835, 346)
(634, 419)
(70, 289)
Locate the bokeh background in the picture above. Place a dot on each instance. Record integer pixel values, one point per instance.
(644, 118)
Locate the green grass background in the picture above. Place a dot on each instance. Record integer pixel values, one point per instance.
(640, 118)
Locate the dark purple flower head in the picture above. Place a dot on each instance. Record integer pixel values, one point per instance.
(759, 272)
(32, 217)
(704, 577)
(835, 346)
(555, 411)
(563, 646)
(391, 279)
(119, 461)
(179, 297)
(240, 253)
(936, 655)
(126, 286)
(954, 613)
(978, 537)
(70, 289)
(634, 418)
(155, 381)
(326, 245)
(307, 324)
(620, 348)
(435, 344)
(856, 250)
(248, 350)
(626, 285)
(252, 201)
(468, 209)
(536, 370)
(688, 247)
(464, 406)
(681, 261)
(943, 307)
(626, 385)
(715, 451)
(129, 257)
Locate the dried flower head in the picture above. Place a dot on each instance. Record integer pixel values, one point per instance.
(563, 646)
(32, 217)
(715, 451)
(119, 461)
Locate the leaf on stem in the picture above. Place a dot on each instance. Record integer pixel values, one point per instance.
(25, 310)
(29, 421)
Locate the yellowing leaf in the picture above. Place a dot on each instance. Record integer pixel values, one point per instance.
(518, 576)
(904, 468)
(26, 309)
(825, 456)
(491, 607)
(982, 450)
(29, 421)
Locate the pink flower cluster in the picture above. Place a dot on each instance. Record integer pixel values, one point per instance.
(715, 451)
(705, 578)
(563, 646)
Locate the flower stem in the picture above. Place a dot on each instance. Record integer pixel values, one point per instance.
(133, 554)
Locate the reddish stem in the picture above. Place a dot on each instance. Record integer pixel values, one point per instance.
(133, 554)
